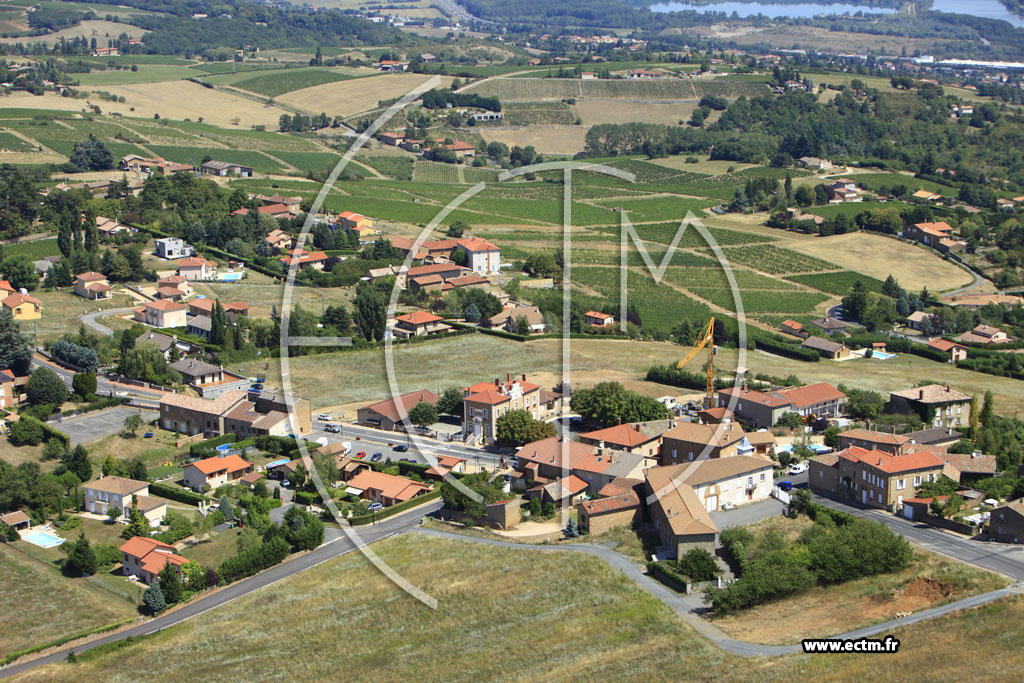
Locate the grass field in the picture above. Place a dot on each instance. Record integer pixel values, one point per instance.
(35, 250)
(42, 605)
(851, 209)
(353, 96)
(551, 139)
(538, 113)
(146, 73)
(593, 112)
(526, 601)
(281, 82)
(880, 256)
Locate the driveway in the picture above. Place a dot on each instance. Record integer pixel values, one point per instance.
(83, 428)
(91, 320)
(748, 514)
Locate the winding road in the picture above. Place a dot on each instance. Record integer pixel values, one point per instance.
(92, 320)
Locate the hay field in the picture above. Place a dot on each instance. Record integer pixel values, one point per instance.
(579, 619)
(350, 97)
(185, 99)
(99, 29)
(880, 256)
(547, 139)
(593, 112)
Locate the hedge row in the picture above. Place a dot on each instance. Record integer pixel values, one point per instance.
(668, 576)
(8, 658)
(395, 509)
(99, 404)
(781, 347)
(177, 493)
(48, 431)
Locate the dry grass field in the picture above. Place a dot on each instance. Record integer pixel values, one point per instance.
(60, 307)
(878, 256)
(576, 617)
(345, 98)
(261, 297)
(550, 139)
(41, 605)
(98, 29)
(593, 112)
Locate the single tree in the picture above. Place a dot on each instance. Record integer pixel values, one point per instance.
(226, 508)
(84, 383)
(132, 423)
(81, 557)
(986, 409)
(137, 525)
(45, 387)
(170, 583)
(154, 599)
(450, 402)
(423, 414)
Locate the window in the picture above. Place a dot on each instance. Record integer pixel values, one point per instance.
(762, 476)
(917, 481)
(900, 484)
(750, 481)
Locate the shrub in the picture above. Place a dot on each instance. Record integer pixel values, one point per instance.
(107, 554)
(27, 431)
(698, 564)
(176, 493)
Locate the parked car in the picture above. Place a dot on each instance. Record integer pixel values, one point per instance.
(361, 454)
(400, 448)
(323, 417)
(376, 457)
(333, 428)
(376, 507)
(407, 460)
(786, 485)
(729, 506)
(798, 468)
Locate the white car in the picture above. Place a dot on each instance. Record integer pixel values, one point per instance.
(798, 468)
(323, 417)
(729, 506)
(332, 428)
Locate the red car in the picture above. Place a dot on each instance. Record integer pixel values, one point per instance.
(361, 454)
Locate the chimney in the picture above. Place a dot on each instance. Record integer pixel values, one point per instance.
(636, 427)
(920, 394)
(524, 376)
(496, 381)
(508, 377)
(619, 421)
(976, 454)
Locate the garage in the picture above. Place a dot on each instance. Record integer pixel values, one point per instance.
(712, 503)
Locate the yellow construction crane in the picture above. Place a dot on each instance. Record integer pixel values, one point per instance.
(705, 340)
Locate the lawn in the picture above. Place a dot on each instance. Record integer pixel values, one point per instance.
(59, 307)
(281, 82)
(41, 605)
(216, 549)
(929, 581)
(155, 451)
(35, 250)
(527, 601)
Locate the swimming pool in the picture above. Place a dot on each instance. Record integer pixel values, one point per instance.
(231, 277)
(882, 355)
(225, 447)
(42, 539)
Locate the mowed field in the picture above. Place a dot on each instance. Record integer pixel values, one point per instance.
(549, 139)
(98, 29)
(354, 96)
(576, 616)
(593, 112)
(40, 605)
(879, 256)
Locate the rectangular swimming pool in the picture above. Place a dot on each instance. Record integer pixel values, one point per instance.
(231, 277)
(42, 539)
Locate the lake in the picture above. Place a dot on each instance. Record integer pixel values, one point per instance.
(989, 9)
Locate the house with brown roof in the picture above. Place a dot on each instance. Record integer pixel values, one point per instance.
(393, 139)
(16, 520)
(196, 268)
(563, 492)
(385, 414)
(162, 313)
(689, 441)
(179, 282)
(820, 399)
(357, 223)
(439, 272)
(117, 492)
(418, 324)
(92, 285)
(215, 471)
(625, 437)
(9, 392)
(929, 234)
(541, 462)
(604, 514)
(916, 319)
(926, 196)
(406, 246)
(829, 326)
(893, 444)
(235, 411)
(1006, 522)
(483, 403)
(956, 352)
(756, 408)
(386, 489)
(985, 334)
(280, 240)
(973, 302)
(873, 478)
(145, 558)
(937, 404)
(969, 467)
(826, 348)
(509, 318)
(305, 259)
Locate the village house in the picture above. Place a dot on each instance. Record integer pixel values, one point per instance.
(442, 271)
(9, 393)
(464, 281)
(873, 478)
(937, 404)
(814, 400)
(965, 468)
(224, 168)
(916, 319)
(406, 245)
(165, 342)
(484, 402)
(200, 375)
(178, 282)
(386, 489)
(23, 306)
(509, 319)
(829, 326)
(562, 493)
(280, 240)
(446, 464)
(844, 190)
(196, 268)
(793, 327)
(985, 334)
(215, 471)
(292, 204)
(16, 520)
(816, 164)
(604, 514)
(235, 412)
(92, 285)
(893, 444)
(151, 165)
(400, 273)
(392, 139)
(108, 227)
(304, 259)
(755, 408)
(826, 348)
(973, 302)
(926, 196)
(172, 248)
(688, 441)
(928, 233)
(630, 438)
(540, 463)
(956, 352)
(162, 314)
(1006, 522)
(144, 558)
(278, 211)
(418, 324)
(117, 492)
(598, 319)
(481, 256)
(357, 223)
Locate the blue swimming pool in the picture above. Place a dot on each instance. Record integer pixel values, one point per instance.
(882, 355)
(42, 539)
(225, 447)
(229, 277)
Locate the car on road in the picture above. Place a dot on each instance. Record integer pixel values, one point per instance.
(323, 417)
(786, 485)
(729, 506)
(361, 454)
(400, 448)
(332, 428)
(376, 457)
(798, 468)
(407, 460)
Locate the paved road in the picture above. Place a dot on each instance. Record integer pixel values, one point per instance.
(91, 320)
(836, 312)
(84, 428)
(374, 440)
(685, 606)
(331, 549)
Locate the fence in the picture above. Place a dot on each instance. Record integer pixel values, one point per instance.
(783, 496)
(121, 379)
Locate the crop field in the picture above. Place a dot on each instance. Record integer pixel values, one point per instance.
(98, 29)
(538, 113)
(691, 239)
(312, 161)
(483, 174)
(12, 143)
(582, 255)
(776, 260)
(194, 155)
(43, 605)
(399, 168)
(436, 172)
(529, 89)
(837, 283)
(715, 277)
(35, 250)
(671, 89)
(281, 82)
(238, 138)
(879, 256)
(352, 96)
(659, 306)
(593, 112)
(760, 301)
(146, 73)
(658, 208)
(128, 60)
(551, 139)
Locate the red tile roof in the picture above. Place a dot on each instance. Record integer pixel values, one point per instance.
(625, 435)
(811, 394)
(231, 463)
(601, 506)
(893, 464)
(418, 318)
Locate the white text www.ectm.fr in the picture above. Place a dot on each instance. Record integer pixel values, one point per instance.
(888, 645)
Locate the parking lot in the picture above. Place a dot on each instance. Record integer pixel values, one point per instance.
(91, 426)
